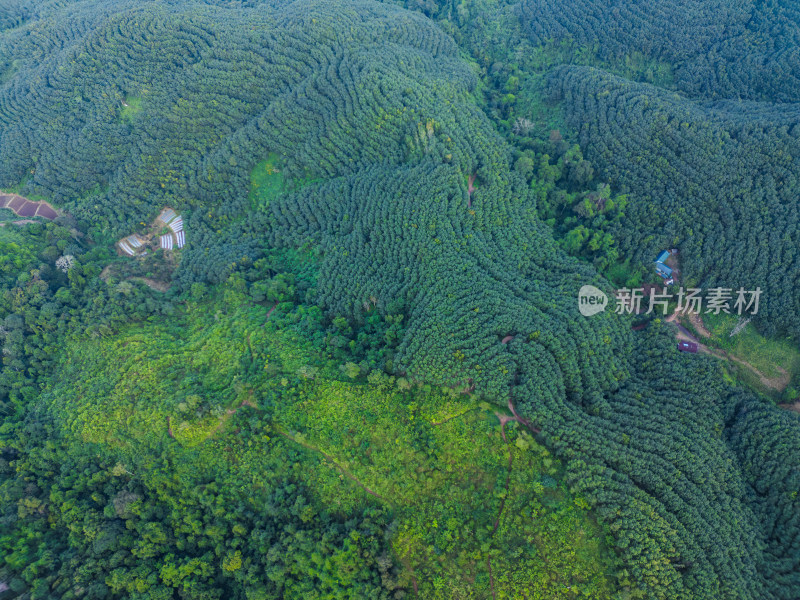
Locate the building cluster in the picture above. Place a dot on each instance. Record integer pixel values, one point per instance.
(662, 269)
(134, 245)
(175, 223)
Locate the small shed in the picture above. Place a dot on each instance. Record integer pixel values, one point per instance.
(685, 346)
(663, 256)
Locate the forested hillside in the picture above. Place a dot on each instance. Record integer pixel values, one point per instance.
(366, 375)
(720, 180)
(688, 115)
(717, 49)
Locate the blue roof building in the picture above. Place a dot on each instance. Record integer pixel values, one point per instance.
(663, 270)
(663, 256)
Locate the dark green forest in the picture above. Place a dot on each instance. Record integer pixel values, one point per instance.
(365, 375)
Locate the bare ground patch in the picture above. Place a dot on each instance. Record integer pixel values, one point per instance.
(160, 286)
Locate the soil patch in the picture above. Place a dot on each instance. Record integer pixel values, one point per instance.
(795, 407)
(27, 208)
(46, 211)
(159, 286)
(697, 323)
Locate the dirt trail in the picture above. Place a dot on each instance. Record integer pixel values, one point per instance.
(503, 420)
(406, 564)
(520, 420)
(697, 322)
(448, 419)
(774, 383)
(159, 286)
(795, 407)
(339, 467)
(272, 309)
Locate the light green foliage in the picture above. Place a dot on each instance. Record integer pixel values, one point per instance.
(308, 412)
(153, 375)
(266, 182)
(132, 105)
(777, 359)
(434, 459)
(444, 468)
(15, 255)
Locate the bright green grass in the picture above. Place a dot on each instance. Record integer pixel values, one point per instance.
(134, 107)
(250, 399)
(768, 356)
(266, 182)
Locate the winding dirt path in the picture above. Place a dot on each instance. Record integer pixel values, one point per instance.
(272, 309)
(521, 420)
(682, 334)
(795, 407)
(406, 564)
(698, 324)
(503, 420)
(448, 419)
(334, 462)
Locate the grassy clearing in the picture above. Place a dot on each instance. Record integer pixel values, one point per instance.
(248, 398)
(462, 497)
(134, 107)
(266, 182)
(773, 358)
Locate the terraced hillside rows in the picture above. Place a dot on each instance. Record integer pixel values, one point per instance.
(198, 130)
(27, 208)
(717, 49)
(403, 195)
(468, 271)
(718, 180)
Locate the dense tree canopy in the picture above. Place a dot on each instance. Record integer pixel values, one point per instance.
(717, 180)
(371, 255)
(717, 48)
